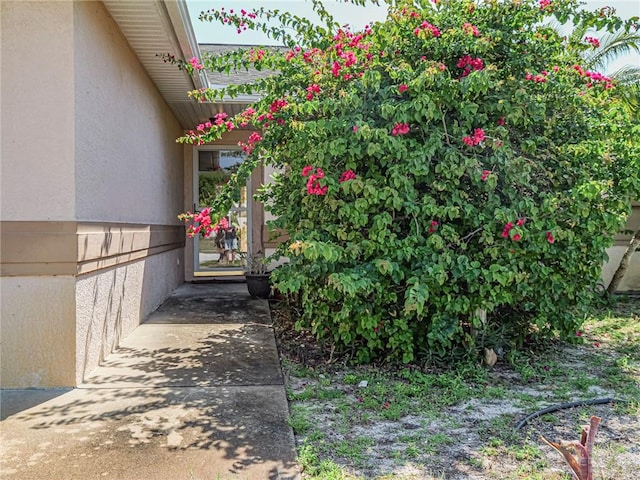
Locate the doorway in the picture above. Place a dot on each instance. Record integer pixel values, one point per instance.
(224, 251)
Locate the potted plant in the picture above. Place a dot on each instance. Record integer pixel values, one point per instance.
(257, 276)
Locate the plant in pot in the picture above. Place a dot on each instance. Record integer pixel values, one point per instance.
(257, 276)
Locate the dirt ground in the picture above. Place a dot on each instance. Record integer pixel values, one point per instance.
(473, 439)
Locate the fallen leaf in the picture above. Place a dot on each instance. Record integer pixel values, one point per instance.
(490, 357)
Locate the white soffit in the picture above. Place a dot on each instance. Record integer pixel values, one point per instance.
(154, 28)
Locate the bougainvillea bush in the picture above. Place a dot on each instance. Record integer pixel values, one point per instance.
(449, 178)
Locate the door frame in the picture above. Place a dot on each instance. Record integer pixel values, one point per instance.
(195, 174)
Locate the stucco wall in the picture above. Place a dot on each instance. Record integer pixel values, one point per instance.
(37, 96)
(631, 279)
(128, 169)
(111, 304)
(38, 331)
(90, 147)
(128, 165)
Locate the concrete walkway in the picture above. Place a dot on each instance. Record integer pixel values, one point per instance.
(194, 393)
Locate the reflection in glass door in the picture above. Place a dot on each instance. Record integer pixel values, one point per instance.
(224, 251)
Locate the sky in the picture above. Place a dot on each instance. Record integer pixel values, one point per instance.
(345, 13)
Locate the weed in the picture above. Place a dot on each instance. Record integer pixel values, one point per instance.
(437, 441)
(350, 379)
(299, 419)
(314, 467)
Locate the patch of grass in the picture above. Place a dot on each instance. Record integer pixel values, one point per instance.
(525, 452)
(313, 467)
(353, 448)
(297, 370)
(299, 419)
(315, 392)
(499, 429)
(526, 400)
(436, 442)
(350, 379)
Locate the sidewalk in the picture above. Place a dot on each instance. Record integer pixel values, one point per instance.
(194, 393)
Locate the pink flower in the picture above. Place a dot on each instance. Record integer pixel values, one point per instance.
(539, 78)
(500, 121)
(403, 88)
(470, 29)
(550, 238)
(335, 69)
(256, 56)
(346, 176)
(219, 118)
(427, 27)
(400, 129)
(485, 173)
(544, 4)
(433, 227)
(277, 105)
(313, 184)
(595, 43)
(248, 147)
(578, 334)
(463, 61)
(355, 128)
(521, 222)
(255, 137)
(312, 90)
(505, 232)
(516, 237)
(478, 137)
(195, 63)
(469, 64)
(314, 187)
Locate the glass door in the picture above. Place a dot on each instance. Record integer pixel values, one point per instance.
(224, 251)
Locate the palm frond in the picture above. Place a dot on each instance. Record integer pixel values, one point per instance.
(628, 75)
(613, 45)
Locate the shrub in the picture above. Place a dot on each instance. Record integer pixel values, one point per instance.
(452, 160)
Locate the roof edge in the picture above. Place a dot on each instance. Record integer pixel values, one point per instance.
(178, 14)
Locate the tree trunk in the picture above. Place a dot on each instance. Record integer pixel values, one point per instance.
(624, 263)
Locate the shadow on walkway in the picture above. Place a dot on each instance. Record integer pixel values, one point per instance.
(196, 392)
